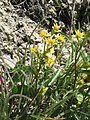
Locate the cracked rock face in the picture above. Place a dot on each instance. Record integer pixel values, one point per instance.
(36, 10)
(59, 10)
(15, 34)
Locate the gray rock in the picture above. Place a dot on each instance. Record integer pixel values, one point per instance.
(15, 33)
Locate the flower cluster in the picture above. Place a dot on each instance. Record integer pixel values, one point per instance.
(50, 39)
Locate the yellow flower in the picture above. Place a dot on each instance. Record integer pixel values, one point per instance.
(43, 33)
(56, 27)
(82, 81)
(50, 62)
(79, 102)
(44, 90)
(51, 41)
(61, 38)
(88, 68)
(79, 34)
(34, 49)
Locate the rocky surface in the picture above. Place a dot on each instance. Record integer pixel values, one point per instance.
(54, 10)
(15, 34)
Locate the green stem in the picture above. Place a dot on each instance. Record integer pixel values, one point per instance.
(19, 95)
(29, 105)
(75, 70)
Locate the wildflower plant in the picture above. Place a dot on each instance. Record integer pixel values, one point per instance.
(56, 81)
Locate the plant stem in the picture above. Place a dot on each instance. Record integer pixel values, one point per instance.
(75, 69)
(30, 104)
(73, 9)
(19, 95)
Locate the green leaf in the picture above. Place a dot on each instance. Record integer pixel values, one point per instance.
(79, 97)
(55, 77)
(15, 89)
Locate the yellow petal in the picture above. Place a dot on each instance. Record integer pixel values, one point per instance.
(51, 41)
(34, 49)
(61, 38)
(82, 81)
(43, 33)
(56, 27)
(79, 34)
